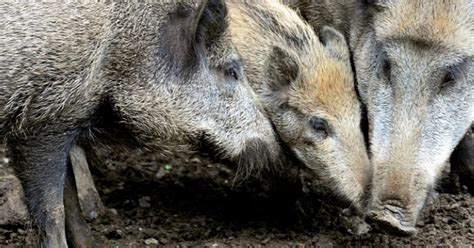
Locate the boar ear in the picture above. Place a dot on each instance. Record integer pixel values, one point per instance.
(190, 27)
(335, 43)
(211, 24)
(282, 73)
(377, 4)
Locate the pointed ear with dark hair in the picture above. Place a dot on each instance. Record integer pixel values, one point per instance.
(378, 4)
(191, 25)
(283, 70)
(335, 43)
(212, 23)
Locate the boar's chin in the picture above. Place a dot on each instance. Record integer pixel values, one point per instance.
(341, 184)
(253, 156)
(207, 146)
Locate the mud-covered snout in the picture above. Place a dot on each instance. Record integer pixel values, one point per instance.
(390, 217)
(397, 197)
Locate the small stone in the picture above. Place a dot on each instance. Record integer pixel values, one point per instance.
(362, 228)
(144, 202)
(12, 208)
(92, 215)
(355, 224)
(420, 223)
(168, 167)
(151, 241)
(161, 173)
(432, 197)
(196, 160)
(346, 212)
(164, 241)
(113, 211)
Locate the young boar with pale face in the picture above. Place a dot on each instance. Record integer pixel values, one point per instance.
(307, 89)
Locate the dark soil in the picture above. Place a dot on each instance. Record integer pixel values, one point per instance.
(190, 201)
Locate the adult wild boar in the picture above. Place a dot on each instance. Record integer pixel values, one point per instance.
(306, 86)
(143, 74)
(414, 63)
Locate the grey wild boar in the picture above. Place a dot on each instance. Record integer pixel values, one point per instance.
(414, 62)
(145, 75)
(307, 89)
(415, 67)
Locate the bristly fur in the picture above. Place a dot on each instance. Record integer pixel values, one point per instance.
(415, 72)
(299, 76)
(143, 74)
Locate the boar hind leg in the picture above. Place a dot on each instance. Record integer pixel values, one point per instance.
(77, 230)
(41, 163)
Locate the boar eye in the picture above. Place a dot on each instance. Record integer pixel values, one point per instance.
(232, 69)
(384, 69)
(231, 73)
(448, 80)
(320, 126)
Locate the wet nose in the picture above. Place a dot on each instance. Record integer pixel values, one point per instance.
(392, 219)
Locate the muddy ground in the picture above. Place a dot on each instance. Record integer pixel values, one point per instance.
(189, 201)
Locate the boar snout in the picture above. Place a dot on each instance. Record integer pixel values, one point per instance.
(393, 219)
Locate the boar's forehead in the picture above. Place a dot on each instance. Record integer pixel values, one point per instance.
(329, 86)
(445, 23)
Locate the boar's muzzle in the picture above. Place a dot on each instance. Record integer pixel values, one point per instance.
(392, 219)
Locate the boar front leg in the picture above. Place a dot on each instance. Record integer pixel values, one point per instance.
(41, 163)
